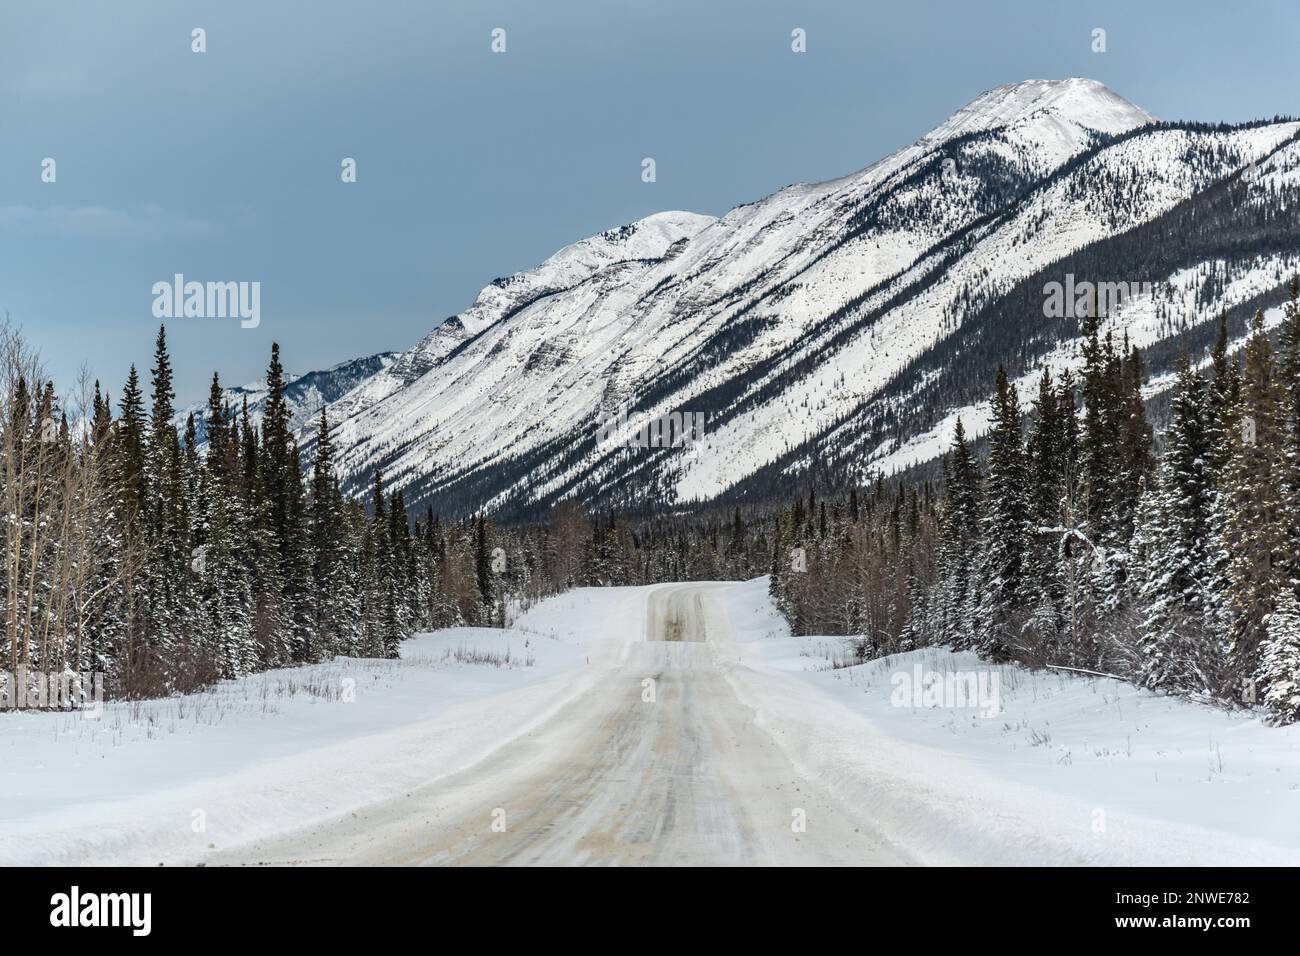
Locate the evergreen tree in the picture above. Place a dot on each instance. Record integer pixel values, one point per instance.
(1221, 402)
(1279, 666)
(249, 456)
(1289, 376)
(1177, 649)
(959, 543)
(328, 556)
(167, 531)
(1253, 530)
(132, 443)
(1097, 447)
(1134, 441)
(1046, 463)
(1006, 533)
(483, 566)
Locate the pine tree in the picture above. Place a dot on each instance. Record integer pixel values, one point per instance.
(327, 549)
(401, 582)
(163, 393)
(166, 528)
(1253, 531)
(1134, 441)
(250, 454)
(1097, 447)
(384, 628)
(226, 580)
(132, 443)
(217, 428)
(483, 565)
(1289, 376)
(1221, 402)
(1046, 463)
(1222, 429)
(1178, 651)
(959, 543)
(1006, 533)
(1072, 554)
(102, 626)
(283, 615)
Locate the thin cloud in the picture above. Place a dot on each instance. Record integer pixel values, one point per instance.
(145, 223)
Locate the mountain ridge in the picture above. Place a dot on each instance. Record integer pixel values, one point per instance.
(747, 316)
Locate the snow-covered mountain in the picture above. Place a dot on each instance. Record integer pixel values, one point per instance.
(304, 394)
(833, 328)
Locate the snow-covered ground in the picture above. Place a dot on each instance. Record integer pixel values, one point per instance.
(1045, 767)
(171, 780)
(1070, 770)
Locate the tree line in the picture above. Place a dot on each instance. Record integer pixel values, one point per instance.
(1077, 545)
(135, 551)
(1078, 539)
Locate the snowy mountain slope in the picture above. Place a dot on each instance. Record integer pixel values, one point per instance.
(1056, 220)
(821, 327)
(1144, 178)
(1144, 320)
(502, 298)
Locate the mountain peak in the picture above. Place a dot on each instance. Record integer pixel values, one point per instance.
(1083, 102)
(805, 324)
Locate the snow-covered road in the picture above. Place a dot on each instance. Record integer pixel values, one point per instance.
(676, 723)
(658, 762)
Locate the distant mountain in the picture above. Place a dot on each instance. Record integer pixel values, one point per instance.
(834, 330)
(304, 394)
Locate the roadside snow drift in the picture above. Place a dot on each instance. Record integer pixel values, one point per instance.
(891, 761)
(169, 781)
(1069, 770)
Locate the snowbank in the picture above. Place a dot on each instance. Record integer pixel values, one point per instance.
(1070, 770)
(169, 781)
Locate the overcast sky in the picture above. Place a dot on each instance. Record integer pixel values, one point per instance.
(225, 165)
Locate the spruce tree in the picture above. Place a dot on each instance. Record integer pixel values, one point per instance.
(1134, 443)
(1288, 366)
(1253, 532)
(1178, 650)
(1006, 532)
(326, 546)
(1046, 464)
(1278, 675)
(1221, 401)
(132, 444)
(1097, 445)
(959, 543)
(483, 563)
(166, 527)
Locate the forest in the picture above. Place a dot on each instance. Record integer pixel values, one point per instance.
(1077, 545)
(1078, 538)
(135, 552)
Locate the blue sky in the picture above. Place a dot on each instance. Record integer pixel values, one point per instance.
(225, 165)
